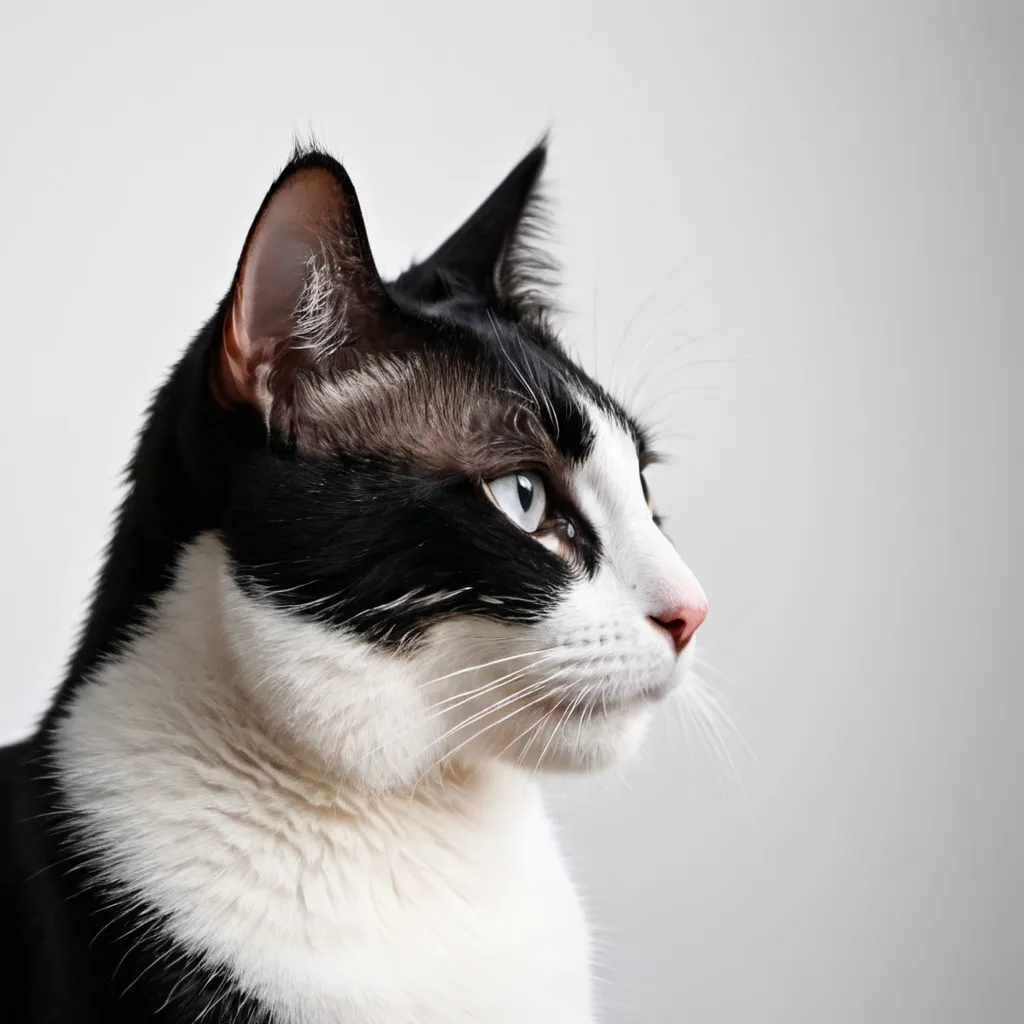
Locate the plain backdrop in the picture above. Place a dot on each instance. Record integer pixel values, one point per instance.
(793, 234)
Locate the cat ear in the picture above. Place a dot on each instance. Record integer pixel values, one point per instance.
(306, 294)
(492, 258)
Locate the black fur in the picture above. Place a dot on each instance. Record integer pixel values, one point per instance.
(493, 260)
(341, 535)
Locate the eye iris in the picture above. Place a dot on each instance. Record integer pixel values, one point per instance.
(524, 488)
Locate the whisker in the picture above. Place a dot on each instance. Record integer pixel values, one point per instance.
(520, 736)
(491, 708)
(488, 664)
(558, 725)
(439, 709)
(698, 717)
(720, 745)
(515, 711)
(537, 729)
(624, 338)
(659, 365)
(714, 698)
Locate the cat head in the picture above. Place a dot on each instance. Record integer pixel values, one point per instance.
(439, 546)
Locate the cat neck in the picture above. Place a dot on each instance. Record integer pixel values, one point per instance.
(174, 491)
(198, 808)
(184, 690)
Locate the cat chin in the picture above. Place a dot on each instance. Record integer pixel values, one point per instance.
(587, 744)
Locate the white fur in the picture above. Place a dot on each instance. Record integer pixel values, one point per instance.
(346, 829)
(321, 324)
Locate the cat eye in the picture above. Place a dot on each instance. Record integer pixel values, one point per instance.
(522, 497)
(645, 487)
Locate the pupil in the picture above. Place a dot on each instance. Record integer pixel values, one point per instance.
(525, 492)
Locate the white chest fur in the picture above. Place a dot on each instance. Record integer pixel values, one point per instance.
(330, 904)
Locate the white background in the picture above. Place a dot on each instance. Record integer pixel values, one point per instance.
(803, 223)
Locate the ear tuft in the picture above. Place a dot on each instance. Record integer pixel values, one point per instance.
(527, 273)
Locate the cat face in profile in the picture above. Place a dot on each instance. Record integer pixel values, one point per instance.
(438, 543)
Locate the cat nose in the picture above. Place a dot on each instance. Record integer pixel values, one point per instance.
(682, 622)
(683, 611)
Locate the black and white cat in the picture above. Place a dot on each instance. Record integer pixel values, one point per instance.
(386, 552)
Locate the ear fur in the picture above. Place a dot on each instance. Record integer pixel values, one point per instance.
(306, 293)
(493, 259)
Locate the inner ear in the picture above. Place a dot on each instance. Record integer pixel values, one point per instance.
(306, 287)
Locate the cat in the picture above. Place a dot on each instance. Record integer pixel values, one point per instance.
(386, 553)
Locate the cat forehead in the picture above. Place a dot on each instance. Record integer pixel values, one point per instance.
(448, 408)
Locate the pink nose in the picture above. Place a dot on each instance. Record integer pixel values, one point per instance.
(682, 622)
